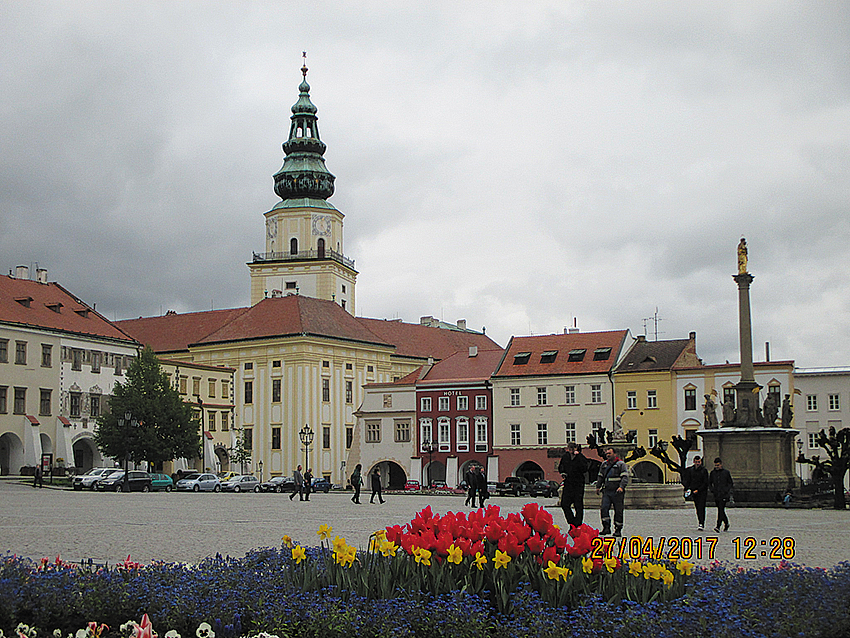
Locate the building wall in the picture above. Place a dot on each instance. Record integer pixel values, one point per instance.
(379, 441)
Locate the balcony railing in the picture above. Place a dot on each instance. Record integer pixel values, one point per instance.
(305, 255)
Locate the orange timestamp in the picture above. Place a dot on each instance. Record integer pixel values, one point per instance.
(662, 547)
(776, 548)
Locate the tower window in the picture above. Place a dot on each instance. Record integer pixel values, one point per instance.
(293, 246)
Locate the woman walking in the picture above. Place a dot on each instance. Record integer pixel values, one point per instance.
(356, 482)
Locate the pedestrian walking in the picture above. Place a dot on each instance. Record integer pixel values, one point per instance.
(480, 486)
(38, 477)
(298, 477)
(376, 486)
(695, 480)
(612, 481)
(308, 483)
(573, 468)
(356, 482)
(469, 479)
(720, 484)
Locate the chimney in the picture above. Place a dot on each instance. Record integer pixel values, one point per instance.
(473, 351)
(41, 275)
(425, 321)
(461, 323)
(767, 351)
(22, 272)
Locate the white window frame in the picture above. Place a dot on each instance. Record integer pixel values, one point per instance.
(425, 404)
(596, 393)
(652, 399)
(570, 394)
(834, 402)
(514, 397)
(811, 402)
(481, 434)
(570, 431)
(542, 395)
(443, 404)
(444, 433)
(542, 434)
(481, 402)
(653, 437)
(631, 400)
(426, 432)
(516, 434)
(462, 403)
(462, 427)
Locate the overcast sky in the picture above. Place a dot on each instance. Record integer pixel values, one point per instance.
(523, 166)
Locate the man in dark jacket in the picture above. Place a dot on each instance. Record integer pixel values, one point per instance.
(720, 484)
(298, 477)
(696, 482)
(480, 486)
(573, 468)
(376, 486)
(471, 487)
(612, 480)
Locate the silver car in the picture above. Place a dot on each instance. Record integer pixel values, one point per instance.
(88, 481)
(242, 483)
(198, 482)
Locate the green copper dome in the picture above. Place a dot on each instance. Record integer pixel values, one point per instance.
(303, 174)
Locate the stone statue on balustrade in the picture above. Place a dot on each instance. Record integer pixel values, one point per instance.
(710, 412)
(728, 412)
(787, 412)
(770, 410)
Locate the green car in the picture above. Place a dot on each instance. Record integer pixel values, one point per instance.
(161, 482)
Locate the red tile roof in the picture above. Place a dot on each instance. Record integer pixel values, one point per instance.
(415, 340)
(49, 306)
(461, 367)
(174, 332)
(648, 356)
(562, 344)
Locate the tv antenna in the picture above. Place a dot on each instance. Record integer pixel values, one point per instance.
(654, 319)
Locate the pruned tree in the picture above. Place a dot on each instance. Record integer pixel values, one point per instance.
(163, 427)
(837, 446)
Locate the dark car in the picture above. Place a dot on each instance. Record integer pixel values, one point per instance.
(546, 489)
(279, 484)
(137, 481)
(321, 485)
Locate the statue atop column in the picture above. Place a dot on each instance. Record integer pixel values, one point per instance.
(787, 412)
(742, 256)
(710, 412)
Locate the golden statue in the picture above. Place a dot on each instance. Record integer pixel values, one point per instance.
(742, 256)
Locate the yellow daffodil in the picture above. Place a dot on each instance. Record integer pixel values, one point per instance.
(388, 548)
(455, 554)
(684, 567)
(553, 572)
(423, 556)
(480, 560)
(565, 573)
(287, 541)
(298, 554)
(610, 564)
(652, 570)
(667, 577)
(382, 534)
(501, 559)
(346, 556)
(324, 531)
(635, 568)
(339, 544)
(586, 565)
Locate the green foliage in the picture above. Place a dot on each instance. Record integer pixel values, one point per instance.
(166, 428)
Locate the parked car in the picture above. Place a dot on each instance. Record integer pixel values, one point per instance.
(279, 484)
(89, 479)
(546, 489)
(161, 482)
(514, 485)
(438, 484)
(137, 481)
(241, 483)
(412, 486)
(198, 482)
(226, 476)
(321, 485)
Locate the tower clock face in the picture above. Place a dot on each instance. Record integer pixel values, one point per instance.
(322, 225)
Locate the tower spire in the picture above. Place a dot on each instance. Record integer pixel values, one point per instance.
(303, 174)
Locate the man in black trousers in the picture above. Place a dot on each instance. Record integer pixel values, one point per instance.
(573, 467)
(696, 482)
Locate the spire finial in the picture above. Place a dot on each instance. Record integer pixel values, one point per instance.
(304, 66)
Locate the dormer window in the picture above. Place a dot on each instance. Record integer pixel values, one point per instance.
(83, 312)
(521, 358)
(548, 356)
(576, 355)
(601, 354)
(24, 301)
(55, 307)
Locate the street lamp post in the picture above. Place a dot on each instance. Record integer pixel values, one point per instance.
(799, 464)
(128, 423)
(203, 443)
(260, 465)
(306, 436)
(429, 447)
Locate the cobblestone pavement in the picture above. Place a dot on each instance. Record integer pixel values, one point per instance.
(186, 527)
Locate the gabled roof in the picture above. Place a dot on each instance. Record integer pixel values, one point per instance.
(418, 341)
(591, 352)
(646, 356)
(294, 315)
(461, 367)
(174, 332)
(49, 306)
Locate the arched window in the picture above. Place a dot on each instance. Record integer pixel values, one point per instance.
(293, 246)
(321, 248)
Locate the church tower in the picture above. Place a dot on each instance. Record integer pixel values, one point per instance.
(304, 247)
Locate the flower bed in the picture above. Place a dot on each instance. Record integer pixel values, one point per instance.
(457, 575)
